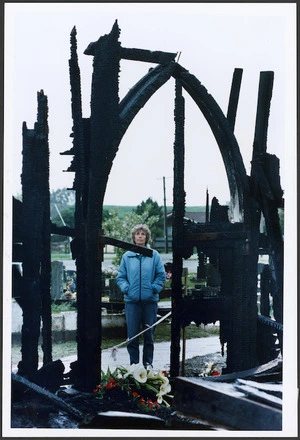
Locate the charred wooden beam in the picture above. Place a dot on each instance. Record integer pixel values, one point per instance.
(234, 97)
(62, 230)
(36, 242)
(104, 239)
(266, 187)
(263, 110)
(81, 138)
(95, 148)
(51, 397)
(178, 228)
(42, 130)
(225, 405)
(270, 323)
(148, 56)
(229, 148)
(124, 420)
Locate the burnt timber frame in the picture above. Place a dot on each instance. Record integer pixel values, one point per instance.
(95, 145)
(96, 141)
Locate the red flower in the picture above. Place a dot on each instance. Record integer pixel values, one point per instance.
(215, 373)
(135, 394)
(112, 383)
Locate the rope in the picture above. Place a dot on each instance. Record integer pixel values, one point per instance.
(114, 349)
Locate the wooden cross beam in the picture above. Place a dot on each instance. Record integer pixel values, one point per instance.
(104, 239)
(149, 56)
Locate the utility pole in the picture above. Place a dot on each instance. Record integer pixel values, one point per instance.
(165, 217)
(207, 207)
(63, 222)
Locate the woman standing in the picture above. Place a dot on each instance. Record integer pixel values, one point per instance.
(140, 279)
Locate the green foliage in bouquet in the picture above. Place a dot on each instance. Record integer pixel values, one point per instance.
(148, 388)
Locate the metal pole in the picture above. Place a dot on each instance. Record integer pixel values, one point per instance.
(165, 217)
(63, 222)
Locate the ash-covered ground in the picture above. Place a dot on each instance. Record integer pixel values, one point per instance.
(30, 410)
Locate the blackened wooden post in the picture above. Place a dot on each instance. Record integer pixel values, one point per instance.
(234, 97)
(36, 303)
(81, 138)
(102, 149)
(178, 228)
(266, 186)
(42, 130)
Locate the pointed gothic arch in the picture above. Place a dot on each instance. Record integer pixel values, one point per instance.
(95, 145)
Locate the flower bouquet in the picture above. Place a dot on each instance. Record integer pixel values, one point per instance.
(147, 388)
(210, 370)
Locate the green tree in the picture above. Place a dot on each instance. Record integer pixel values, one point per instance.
(152, 209)
(120, 227)
(105, 215)
(62, 209)
(61, 199)
(66, 217)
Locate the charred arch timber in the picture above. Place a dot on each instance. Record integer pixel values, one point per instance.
(95, 144)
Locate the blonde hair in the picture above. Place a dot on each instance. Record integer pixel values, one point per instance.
(143, 228)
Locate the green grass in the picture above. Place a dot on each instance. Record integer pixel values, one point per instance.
(61, 256)
(163, 331)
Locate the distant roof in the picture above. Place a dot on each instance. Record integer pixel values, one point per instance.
(199, 217)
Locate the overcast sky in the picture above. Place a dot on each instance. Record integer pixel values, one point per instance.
(213, 39)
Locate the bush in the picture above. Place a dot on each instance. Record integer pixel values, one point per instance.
(66, 306)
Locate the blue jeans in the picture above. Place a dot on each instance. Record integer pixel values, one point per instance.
(138, 317)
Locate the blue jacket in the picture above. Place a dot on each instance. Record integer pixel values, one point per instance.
(141, 278)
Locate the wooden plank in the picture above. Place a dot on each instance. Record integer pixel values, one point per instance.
(53, 398)
(123, 420)
(125, 245)
(222, 404)
(271, 387)
(259, 393)
(147, 55)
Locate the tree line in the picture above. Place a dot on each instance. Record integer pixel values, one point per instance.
(116, 224)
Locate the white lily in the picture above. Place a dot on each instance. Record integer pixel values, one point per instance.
(163, 378)
(209, 367)
(151, 373)
(159, 398)
(165, 388)
(130, 370)
(140, 374)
